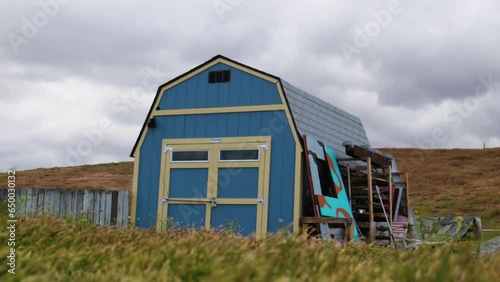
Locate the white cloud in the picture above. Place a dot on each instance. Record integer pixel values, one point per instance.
(406, 85)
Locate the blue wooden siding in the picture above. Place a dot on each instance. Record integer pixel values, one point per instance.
(187, 215)
(188, 183)
(239, 218)
(238, 182)
(273, 123)
(242, 90)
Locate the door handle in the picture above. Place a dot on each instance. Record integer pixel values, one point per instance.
(214, 202)
(261, 201)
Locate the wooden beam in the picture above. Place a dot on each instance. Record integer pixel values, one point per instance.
(478, 229)
(356, 151)
(370, 199)
(389, 180)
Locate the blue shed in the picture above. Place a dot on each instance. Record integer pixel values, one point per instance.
(221, 146)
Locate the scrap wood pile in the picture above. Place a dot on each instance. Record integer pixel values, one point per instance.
(368, 198)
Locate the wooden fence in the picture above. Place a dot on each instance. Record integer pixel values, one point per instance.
(101, 207)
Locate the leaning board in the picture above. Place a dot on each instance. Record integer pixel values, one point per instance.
(339, 206)
(312, 150)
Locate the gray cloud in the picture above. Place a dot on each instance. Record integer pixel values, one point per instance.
(412, 80)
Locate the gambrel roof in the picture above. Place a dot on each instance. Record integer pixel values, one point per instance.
(311, 115)
(327, 123)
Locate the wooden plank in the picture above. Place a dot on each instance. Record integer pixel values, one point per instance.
(57, 202)
(125, 208)
(332, 220)
(46, 201)
(407, 194)
(74, 204)
(370, 199)
(114, 208)
(389, 180)
(19, 202)
(34, 201)
(102, 208)
(63, 203)
(119, 212)
(349, 186)
(107, 211)
(97, 204)
(122, 208)
(52, 199)
(478, 229)
(360, 152)
(69, 205)
(29, 201)
(39, 202)
(314, 150)
(80, 195)
(87, 199)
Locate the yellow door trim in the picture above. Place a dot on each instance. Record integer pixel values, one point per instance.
(213, 165)
(163, 189)
(265, 192)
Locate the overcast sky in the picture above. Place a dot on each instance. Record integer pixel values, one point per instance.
(72, 73)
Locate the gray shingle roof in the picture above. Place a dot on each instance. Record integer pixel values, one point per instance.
(329, 124)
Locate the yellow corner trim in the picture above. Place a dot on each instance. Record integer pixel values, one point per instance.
(297, 195)
(288, 114)
(135, 184)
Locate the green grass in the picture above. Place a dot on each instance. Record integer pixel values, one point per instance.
(50, 249)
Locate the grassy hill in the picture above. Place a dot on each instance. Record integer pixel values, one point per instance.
(442, 182)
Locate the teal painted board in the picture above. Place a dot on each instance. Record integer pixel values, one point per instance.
(316, 184)
(313, 151)
(238, 218)
(184, 215)
(340, 205)
(242, 90)
(188, 183)
(238, 182)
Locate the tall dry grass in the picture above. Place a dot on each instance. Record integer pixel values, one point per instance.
(50, 249)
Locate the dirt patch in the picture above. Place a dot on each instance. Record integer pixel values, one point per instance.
(112, 176)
